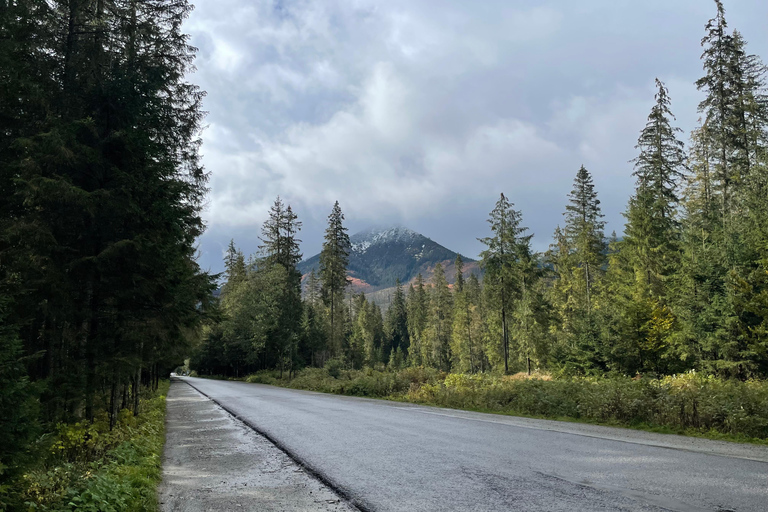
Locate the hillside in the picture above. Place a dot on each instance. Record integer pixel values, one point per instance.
(381, 256)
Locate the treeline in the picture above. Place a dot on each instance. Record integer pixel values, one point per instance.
(101, 190)
(686, 288)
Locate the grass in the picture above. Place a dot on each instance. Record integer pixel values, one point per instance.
(88, 467)
(690, 404)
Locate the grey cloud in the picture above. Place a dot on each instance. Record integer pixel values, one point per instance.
(422, 112)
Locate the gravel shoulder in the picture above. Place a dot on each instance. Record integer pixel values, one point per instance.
(213, 462)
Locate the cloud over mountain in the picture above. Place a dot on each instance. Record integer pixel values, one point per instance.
(422, 112)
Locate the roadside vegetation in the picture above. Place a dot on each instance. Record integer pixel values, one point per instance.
(101, 190)
(86, 466)
(665, 326)
(691, 403)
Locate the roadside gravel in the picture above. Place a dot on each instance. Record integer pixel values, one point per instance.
(213, 462)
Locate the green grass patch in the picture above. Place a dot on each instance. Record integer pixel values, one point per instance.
(689, 404)
(88, 467)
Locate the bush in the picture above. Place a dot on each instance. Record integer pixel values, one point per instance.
(690, 402)
(87, 467)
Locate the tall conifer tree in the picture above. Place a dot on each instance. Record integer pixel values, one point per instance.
(502, 262)
(334, 259)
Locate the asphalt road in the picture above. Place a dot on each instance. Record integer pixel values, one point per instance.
(214, 463)
(393, 456)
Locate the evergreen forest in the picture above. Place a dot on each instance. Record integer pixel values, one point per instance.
(101, 190)
(101, 296)
(684, 289)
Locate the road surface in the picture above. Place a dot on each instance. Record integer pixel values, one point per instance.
(214, 463)
(390, 456)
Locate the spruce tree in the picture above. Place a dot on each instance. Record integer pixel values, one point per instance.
(418, 308)
(107, 192)
(502, 263)
(531, 317)
(280, 247)
(716, 325)
(234, 267)
(578, 258)
(19, 422)
(466, 329)
(643, 265)
(334, 259)
(396, 323)
(278, 236)
(435, 347)
(584, 232)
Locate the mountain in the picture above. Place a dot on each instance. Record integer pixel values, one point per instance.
(380, 256)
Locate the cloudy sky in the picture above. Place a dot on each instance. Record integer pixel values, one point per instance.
(421, 112)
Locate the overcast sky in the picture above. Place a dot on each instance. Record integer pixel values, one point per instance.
(420, 112)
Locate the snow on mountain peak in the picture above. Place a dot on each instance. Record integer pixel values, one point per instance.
(362, 241)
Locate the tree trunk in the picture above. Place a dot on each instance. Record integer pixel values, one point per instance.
(136, 387)
(113, 402)
(505, 335)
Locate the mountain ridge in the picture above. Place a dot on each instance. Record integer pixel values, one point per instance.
(381, 255)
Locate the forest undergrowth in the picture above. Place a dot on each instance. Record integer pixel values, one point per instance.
(85, 466)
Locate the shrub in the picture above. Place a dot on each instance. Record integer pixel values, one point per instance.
(690, 402)
(87, 467)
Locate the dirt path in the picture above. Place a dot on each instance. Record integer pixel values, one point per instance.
(213, 462)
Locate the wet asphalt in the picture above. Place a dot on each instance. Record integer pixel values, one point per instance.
(214, 463)
(390, 456)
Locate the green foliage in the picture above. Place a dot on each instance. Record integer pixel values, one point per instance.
(435, 342)
(87, 466)
(507, 263)
(467, 334)
(334, 259)
(417, 307)
(18, 403)
(686, 288)
(339, 379)
(689, 403)
(396, 324)
(101, 189)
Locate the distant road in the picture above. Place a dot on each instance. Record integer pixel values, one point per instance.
(389, 456)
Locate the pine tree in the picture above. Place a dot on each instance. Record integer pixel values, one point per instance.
(234, 267)
(578, 259)
(643, 264)
(584, 232)
(18, 402)
(396, 323)
(108, 189)
(281, 247)
(466, 330)
(561, 294)
(716, 325)
(360, 342)
(334, 259)
(312, 290)
(718, 109)
(435, 346)
(531, 317)
(502, 262)
(417, 307)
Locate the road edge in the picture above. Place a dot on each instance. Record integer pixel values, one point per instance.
(336, 489)
(575, 428)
